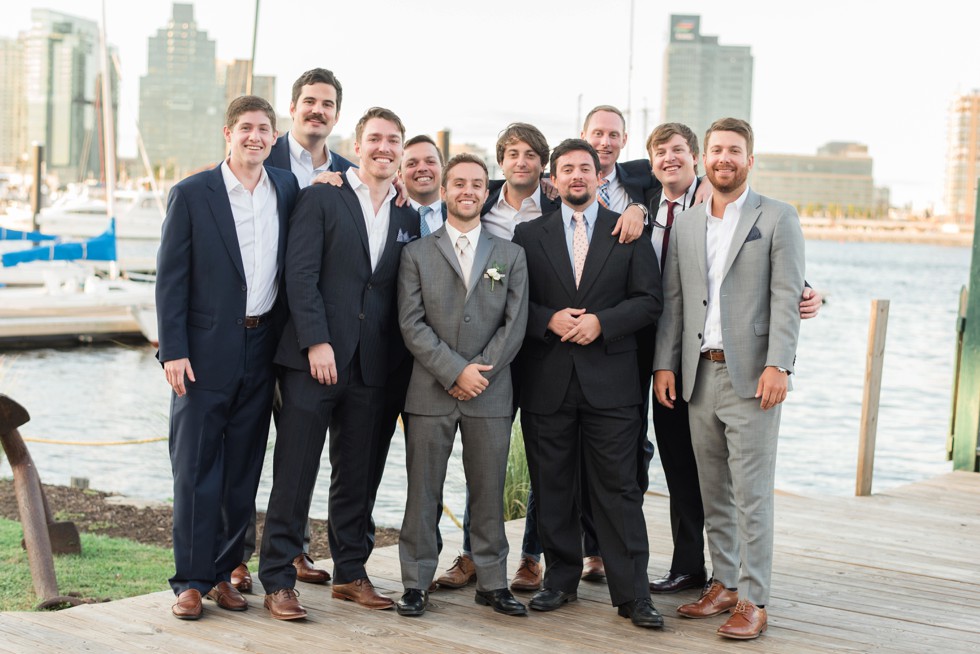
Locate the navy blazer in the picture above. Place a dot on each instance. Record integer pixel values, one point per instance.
(334, 295)
(637, 178)
(201, 288)
(279, 157)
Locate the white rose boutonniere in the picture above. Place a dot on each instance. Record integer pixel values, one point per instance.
(494, 273)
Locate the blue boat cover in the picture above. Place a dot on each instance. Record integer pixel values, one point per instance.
(100, 248)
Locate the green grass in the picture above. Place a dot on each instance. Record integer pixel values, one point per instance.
(517, 483)
(112, 568)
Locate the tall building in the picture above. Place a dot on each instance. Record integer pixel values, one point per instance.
(704, 81)
(62, 89)
(233, 76)
(181, 110)
(963, 156)
(13, 132)
(836, 181)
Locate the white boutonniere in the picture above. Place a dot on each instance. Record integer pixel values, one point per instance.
(494, 273)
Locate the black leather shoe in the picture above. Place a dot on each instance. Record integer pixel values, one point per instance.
(413, 602)
(642, 613)
(548, 599)
(501, 600)
(673, 582)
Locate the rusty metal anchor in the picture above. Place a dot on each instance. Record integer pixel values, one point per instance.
(43, 537)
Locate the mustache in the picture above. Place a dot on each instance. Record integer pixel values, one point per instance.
(320, 117)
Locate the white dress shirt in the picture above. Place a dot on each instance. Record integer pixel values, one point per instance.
(434, 219)
(469, 253)
(502, 219)
(256, 217)
(718, 243)
(301, 162)
(619, 199)
(376, 223)
(658, 232)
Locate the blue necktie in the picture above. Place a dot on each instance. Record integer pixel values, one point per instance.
(424, 224)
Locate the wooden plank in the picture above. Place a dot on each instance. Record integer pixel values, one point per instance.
(872, 395)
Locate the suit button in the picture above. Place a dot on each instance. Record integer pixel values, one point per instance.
(466, 318)
(369, 287)
(704, 302)
(240, 321)
(699, 336)
(360, 316)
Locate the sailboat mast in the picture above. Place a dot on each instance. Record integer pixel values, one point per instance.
(108, 134)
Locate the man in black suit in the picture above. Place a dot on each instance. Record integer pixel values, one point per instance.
(337, 353)
(580, 391)
(219, 269)
(315, 110)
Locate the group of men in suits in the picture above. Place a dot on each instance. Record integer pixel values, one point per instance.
(578, 294)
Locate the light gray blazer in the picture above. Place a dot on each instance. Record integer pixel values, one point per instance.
(447, 326)
(760, 294)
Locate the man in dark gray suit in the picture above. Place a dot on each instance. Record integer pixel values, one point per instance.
(462, 308)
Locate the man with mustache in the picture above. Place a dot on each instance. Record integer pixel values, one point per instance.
(733, 279)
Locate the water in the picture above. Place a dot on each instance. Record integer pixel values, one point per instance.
(116, 393)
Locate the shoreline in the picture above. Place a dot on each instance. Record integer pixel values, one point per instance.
(865, 235)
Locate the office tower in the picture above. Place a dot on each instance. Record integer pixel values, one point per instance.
(233, 76)
(13, 131)
(704, 81)
(963, 156)
(181, 103)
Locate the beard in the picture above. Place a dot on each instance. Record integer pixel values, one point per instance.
(741, 175)
(578, 199)
(465, 215)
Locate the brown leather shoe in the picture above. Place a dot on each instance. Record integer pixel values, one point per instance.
(462, 572)
(528, 575)
(284, 605)
(241, 579)
(714, 600)
(188, 605)
(227, 597)
(362, 591)
(309, 573)
(593, 569)
(748, 621)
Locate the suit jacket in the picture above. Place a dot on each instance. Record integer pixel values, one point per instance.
(448, 326)
(637, 178)
(620, 285)
(279, 157)
(334, 296)
(760, 294)
(201, 288)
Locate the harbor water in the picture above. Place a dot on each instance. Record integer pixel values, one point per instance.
(98, 394)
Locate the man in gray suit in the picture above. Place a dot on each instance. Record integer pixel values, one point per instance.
(462, 309)
(731, 322)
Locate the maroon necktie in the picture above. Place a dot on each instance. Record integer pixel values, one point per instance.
(670, 221)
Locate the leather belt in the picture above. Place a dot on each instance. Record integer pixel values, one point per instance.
(251, 322)
(714, 355)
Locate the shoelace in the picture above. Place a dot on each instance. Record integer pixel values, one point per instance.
(741, 607)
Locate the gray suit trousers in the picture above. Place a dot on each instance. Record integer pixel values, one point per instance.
(428, 444)
(735, 446)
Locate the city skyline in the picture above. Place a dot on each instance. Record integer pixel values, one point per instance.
(837, 75)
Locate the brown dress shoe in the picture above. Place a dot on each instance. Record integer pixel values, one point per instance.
(227, 597)
(715, 599)
(362, 591)
(241, 579)
(284, 605)
(462, 572)
(528, 575)
(188, 605)
(593, 569)
(748, 621)
(309, 573)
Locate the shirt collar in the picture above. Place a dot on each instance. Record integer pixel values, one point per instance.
(472, 236)
(301, 153)
(535, 199)
(435, 206)
(232, 183)
(612, 175)
(685, 199)
(356, 183)
(737, 204)
(591, 213)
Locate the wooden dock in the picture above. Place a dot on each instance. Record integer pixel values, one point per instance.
(898, 571)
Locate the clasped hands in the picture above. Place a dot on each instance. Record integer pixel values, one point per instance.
(470, 382)
(575, 325)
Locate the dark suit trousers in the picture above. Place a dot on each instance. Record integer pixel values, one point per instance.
(604, 440)
(217, 444)
(350, 409)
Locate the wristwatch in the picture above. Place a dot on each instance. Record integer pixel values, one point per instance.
(782, 370)
(643, 208)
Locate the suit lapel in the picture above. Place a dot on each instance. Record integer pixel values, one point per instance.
(349, 195)
(283, 220)
(223, 218)
(483, 249)
(445, 246)
(556, 250)
(747, 217)
(699, 225)
(599, 248)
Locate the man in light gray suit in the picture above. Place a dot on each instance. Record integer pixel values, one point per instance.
(734, 275)
(462, 308)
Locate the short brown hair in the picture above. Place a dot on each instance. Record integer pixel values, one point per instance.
(736, 125)
(571, 145)
(317, 76)
(378, 112)
(603, 107)
(244, 104)
(424, 138)
(516, 132)
(462, 158)
(667, 131)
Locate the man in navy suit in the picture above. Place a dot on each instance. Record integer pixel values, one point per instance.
(219, 269)
(338, 350)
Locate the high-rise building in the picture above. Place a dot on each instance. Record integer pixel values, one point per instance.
(62, 90)
(233, 76)
(963, 156)
(704, 81)
(13, 133)
(181, 103)
(836, 181)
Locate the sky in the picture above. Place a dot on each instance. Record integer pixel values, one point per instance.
(831, 71)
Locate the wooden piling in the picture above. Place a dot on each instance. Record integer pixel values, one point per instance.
(872, 394)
